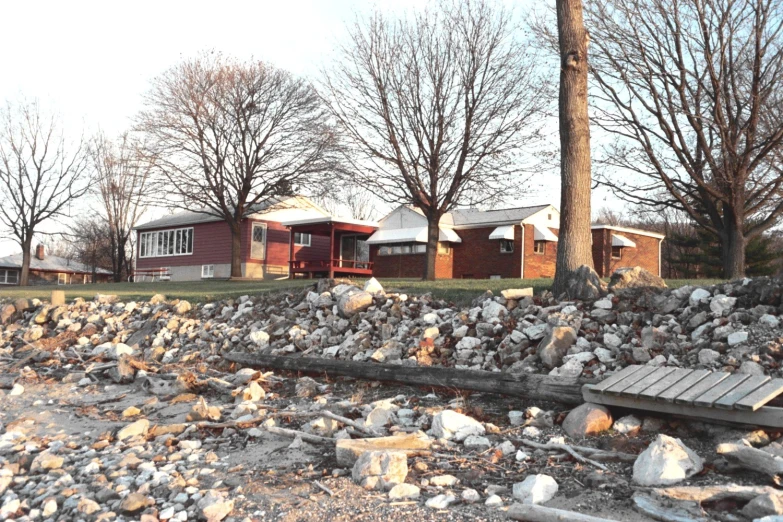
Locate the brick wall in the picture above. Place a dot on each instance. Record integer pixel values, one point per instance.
(644, 255)
(410, 265)
(479, 257)
(539, 265)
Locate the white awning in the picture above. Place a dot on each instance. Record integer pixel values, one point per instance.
(543, 234)
(505, 232)
(622, 241)
(410, 235)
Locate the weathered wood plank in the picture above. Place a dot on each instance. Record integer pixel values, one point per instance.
(725, 386)
(760, 397)
(536, 513)
(617, 377)
(766, 416)
(686, 383)
(664, 384)
(696, 391)
(538, 387)
(640, 386)
(743, 390)
(630, 380)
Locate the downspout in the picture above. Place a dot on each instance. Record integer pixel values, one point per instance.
(660, 242)
(522, 264)
(135, 258)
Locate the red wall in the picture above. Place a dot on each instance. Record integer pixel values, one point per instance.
(644, 255)
(539, 265)
(479, 257)
(410, 265)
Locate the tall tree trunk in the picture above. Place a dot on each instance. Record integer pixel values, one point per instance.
(733, 251)
(573, 249)
(433, 232)
(120, 260)
(24, 275)
(236, 249)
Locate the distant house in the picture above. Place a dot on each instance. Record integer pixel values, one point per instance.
(192, 246)
(493, 244)
(49, 270)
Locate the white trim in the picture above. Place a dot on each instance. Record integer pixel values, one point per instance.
(253, 225)
(628, 231)
(503, 232)
(301, 236)
(208, 276)
(410, 235)
(660, 242)
(154, 233)
(522, 262)
(327, 220)
(4, 279)
(543, 234)
(622, 241)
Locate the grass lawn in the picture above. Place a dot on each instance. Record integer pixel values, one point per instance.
(461, 291)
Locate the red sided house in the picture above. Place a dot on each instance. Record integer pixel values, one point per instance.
(507, 243)
(190, 246)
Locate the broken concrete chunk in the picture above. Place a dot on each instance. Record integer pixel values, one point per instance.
(666, 461)
(380, 469)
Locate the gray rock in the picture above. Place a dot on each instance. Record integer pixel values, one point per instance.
(380, 469)
(555, 344)
(351, 304)
(665, 462)
(764, 505)
(584, 284)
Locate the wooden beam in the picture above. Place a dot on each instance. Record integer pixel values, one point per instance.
(536, 387)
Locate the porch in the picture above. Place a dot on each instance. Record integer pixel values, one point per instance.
(348, 253)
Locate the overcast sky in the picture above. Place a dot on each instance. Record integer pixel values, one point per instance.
(92, 61)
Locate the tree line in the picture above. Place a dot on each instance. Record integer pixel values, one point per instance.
(438, 108)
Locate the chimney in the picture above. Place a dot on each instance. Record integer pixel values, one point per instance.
(39, 252)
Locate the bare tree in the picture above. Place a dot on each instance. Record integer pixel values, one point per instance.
(573, 248)
(123, 171)
(231, 136)
(41, 174)
(350, 201)
(437, 107)
(91, 242)
(692, 92)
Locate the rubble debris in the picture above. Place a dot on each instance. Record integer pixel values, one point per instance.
(666, 461)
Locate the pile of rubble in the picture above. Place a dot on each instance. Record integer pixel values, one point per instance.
(128, 411)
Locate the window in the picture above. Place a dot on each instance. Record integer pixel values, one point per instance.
(539, 247)
(164, 243)
(506, 246)
(9, 277)
(258, 241)
(404, 248)
(549, 217)
(302, 239)
(617, 252)
(496, 277)
(63, 279)
(207, 271)
(86, 279)
(444, 248)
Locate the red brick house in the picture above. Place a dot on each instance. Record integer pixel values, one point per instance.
(507, 243)
(49, 270)
(190, 246)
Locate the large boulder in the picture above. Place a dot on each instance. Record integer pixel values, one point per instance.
(634, 277)
(372, 286)
(584, 284)
(587, 419)
(380, 469)
(351, 304)
(555, 345)
(665, 462)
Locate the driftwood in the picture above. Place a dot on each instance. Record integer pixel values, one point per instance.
(753, 459)
(564, 447)
(537, 387)
(535, 513)
(668, 510)
(313, 439)
(328, 414)
(715, 493)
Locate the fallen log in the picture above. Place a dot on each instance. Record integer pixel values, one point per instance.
(536, 387)
(536, 513)
(668, 510)
(753, 459)
(715, 493)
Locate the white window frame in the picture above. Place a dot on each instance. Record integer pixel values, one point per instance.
(253, 225)
(495, 276)
(402, 249)
(301, 241)
(619, 252)
(62, 279)
(506, 242)
(539, 242)
(207, 271)
(167, 243)
(444, 248)
(4, 276)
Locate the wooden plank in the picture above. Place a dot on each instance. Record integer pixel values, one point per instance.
(687, 382)
(664, 384)
(537, 387)
(696, 391)
(743, 390)
(630, 380)
(640, 386)
(766, 416)
(760, 397)
(617, 377)
(727, 385)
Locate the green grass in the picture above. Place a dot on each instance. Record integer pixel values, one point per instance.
(460, 291)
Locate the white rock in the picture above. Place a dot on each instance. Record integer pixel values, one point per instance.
(666, 461)
(118, 350)
(604, 355)
(737, 338)
(260, 338)
(17, 389)
(493, 501)
(708, 356)
(380, 469)
(372, 286)
(441, 501)
(535, 332)
(627, 424)
(605, 304)
(449, 424)
(492, 310)
(470, 496)
(769, 320)
(535, 489)
(476, 442)
(721, 304)
(404, 491)
(516, 417)
(521, 456)
(612, 340)
(443, 480)
(698, 296)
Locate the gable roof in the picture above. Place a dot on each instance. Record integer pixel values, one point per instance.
(50, 264)
(189, 217)
(472, 216)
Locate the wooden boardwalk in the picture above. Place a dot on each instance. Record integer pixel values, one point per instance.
(728, 397)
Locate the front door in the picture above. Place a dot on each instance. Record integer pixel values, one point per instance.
(258, 241)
